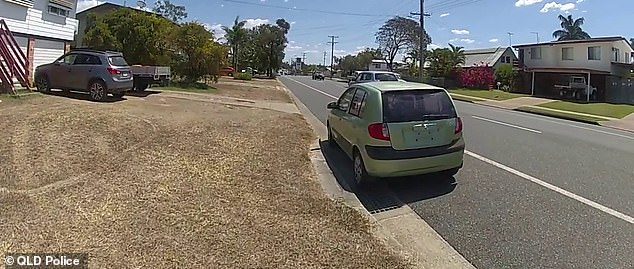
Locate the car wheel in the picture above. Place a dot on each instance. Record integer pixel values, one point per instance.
(97, 90)
(361, 176)
(42, 84)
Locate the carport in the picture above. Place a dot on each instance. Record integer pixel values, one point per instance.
(552, 76)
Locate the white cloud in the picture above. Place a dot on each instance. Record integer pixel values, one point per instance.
(554, 5)
(523, 3)
(291, 42)
(86, 4)
(444, 15)
(311, 51)
(216, 29)
(463, 40)
(494, 40)
(433, 46)
(291, 47)
(252, 23)
(579, 1)
(460, 32)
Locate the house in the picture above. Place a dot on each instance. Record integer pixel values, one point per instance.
(494, 57)
(101, 9)
(378, 65)
(606, 62)
(43, 29)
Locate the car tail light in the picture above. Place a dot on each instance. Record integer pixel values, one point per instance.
(458, 125)
(113, 71)
(379, 131)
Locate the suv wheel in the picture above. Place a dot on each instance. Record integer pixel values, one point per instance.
(361, 176)
(42, 84)
(97, 90)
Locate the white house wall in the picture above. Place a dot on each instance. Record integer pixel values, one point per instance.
(36, 21)
(46, 52)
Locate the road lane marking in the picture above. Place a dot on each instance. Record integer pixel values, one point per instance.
(507, 124)
(544, 118)
(313, 88)
(566, 193)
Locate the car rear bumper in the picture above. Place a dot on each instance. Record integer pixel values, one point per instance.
(384, 162)
(120, 86)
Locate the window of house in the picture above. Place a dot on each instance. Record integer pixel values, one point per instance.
(508, 59)
(377, 66)
(616, 54)
(26, 3)
(58, 10)
(626, 57)
(536, 53)
(594, 53)
(567, 54)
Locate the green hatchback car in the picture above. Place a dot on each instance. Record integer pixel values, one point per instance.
(394, 129)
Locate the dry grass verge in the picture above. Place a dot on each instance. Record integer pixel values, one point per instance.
(256, 89)
(158, 182)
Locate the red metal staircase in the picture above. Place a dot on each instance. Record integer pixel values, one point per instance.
(13, 62)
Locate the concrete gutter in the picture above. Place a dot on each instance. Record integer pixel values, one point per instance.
(401, 229)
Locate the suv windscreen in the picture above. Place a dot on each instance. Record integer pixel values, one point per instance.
(417, 105)
(117, 61)
(385, 77)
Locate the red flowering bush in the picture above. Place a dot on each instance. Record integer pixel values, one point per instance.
(477, 77)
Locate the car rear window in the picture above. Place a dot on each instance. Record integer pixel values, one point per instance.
(117, 61)
(385, 77)
(417, 105)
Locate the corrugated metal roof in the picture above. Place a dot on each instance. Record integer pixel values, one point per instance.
(482, 56)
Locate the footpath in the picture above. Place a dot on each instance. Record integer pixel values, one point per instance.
(530, 105)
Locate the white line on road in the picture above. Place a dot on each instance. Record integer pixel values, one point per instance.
(313, 88)
(566, 193)
(507, 124)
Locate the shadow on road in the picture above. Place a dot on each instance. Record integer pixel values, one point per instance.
(141, 94)
(385, 194)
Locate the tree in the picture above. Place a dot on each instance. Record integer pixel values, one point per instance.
(395, 36)
(98, 35)
(505, 75)
(457, 55)
(632, 41)
(236, 36)
(269, 44)
(170, 11)
(197, 54)
(444, 62)
(570, 29)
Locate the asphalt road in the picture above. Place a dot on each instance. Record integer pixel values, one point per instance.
(535, 192)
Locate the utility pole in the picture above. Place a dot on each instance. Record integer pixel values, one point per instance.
(325, 54)
(423, 43)
(537, 34)
(510, 39)
(332, 53)
(303, 59)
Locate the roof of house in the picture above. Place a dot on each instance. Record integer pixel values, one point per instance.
(108, 6)
(591, 40)
(483, 56)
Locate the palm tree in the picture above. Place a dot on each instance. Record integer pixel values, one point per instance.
(570, 29)
(457, 55)
(235, 36)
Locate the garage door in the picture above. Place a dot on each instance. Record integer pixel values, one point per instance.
(46, 52)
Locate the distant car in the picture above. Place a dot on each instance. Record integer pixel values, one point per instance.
(394, 129)
(374, 76)
(318, 76)
(98, 73)
(226, 71)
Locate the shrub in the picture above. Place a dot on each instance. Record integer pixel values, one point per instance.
(505, 75)
(477, 77)
(243, 76)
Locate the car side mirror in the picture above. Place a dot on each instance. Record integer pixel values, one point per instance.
(333, 105)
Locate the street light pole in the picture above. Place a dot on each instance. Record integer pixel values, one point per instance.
(536, 34)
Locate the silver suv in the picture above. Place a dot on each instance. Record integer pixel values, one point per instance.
(96, 72)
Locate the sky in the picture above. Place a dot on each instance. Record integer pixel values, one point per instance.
(467, 23)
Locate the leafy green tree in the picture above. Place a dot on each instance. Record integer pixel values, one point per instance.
(197, 54)
(570, 29)
(457, 55)
(170, 11)
(505, 75)
(445, 62)
(270, 42)
(398, 35)
(98, 35)
(236, 35)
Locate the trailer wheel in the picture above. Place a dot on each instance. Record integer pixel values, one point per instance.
(140, 87)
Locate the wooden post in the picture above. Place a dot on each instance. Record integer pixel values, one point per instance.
(533, 85)
(30, 51)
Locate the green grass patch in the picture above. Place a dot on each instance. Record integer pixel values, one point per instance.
(561, 115)
(187, 87)
(601, 109)
(242, 76)
(486, 94)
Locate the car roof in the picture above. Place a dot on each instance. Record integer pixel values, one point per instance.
(385, 86)
(375, 72)
(107, 52)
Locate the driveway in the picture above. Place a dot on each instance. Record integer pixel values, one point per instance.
(535, 192)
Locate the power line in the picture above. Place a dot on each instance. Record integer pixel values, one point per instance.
(307, 10)
(451, 4)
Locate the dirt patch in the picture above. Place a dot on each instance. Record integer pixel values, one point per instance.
(168, 182)
(256, 89)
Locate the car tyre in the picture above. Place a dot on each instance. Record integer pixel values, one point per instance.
(361, 177)
(43, 84)
(97, 90)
